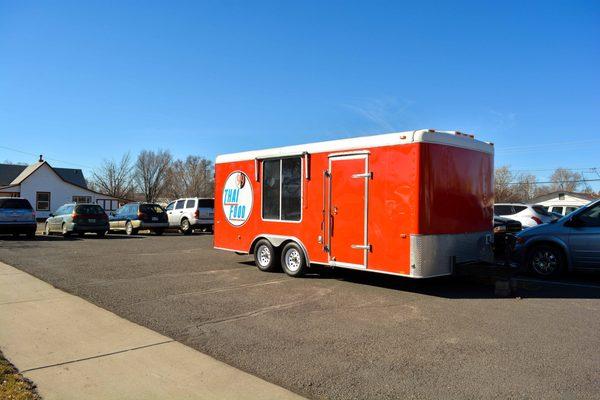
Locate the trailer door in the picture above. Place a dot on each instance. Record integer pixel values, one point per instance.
(347, 225)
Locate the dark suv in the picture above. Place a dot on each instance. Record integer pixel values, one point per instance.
(134, 217)
(17, 217)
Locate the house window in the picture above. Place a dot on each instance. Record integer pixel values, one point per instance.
(42, 201)
(282, 189)
(82, 199)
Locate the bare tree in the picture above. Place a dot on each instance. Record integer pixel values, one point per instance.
(192, 177)
(510, 187)
(567, 180)
(525, 187)
(503, 188)
(114, 178)
(151, 173)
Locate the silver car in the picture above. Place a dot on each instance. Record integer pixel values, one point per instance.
(17, 217)
(191, 213)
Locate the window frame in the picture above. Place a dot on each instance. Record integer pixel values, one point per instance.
(37, 202)
(262, 180)
(80, 197)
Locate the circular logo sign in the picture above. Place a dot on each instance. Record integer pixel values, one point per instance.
(237, 198)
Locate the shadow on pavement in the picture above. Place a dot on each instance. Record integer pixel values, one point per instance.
(471, 283)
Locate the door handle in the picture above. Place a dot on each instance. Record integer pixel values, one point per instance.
(331, 225)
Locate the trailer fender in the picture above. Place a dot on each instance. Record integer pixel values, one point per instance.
(280, 241)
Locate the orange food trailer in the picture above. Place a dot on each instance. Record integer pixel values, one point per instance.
(412, 203)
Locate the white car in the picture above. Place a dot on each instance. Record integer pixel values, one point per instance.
(527, 214)
(191, 213)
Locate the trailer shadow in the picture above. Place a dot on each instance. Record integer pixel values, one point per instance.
(468, 285)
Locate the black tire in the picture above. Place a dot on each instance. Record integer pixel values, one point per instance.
(31, 235)
(129, 229)
(81, 234)
(545, 261)
(64, 230)
(101, 234)
(185, 227)
(159, 232)
(293, 260)
(265, 256)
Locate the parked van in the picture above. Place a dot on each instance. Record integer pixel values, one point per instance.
(191, 213)
(411, 203)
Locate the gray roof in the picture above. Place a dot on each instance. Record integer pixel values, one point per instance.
(14, 174)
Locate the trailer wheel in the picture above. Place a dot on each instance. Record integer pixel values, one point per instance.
(265, 256)
(293, 260)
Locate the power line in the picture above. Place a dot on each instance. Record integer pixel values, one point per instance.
(48, 158)
(557, 182)
(586, 169)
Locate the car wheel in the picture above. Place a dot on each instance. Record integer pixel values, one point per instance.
(293, 260)
(81, 234)
(31, 235)
(545, 261)
(185, 226)
(65, 231)
(46, 229)
(129, 229)
(101, 234)
(158, 232)
(265, 256)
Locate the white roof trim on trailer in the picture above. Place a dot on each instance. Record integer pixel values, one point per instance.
(449, 138)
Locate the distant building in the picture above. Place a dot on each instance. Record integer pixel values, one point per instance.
(562, 202)
(48, 188)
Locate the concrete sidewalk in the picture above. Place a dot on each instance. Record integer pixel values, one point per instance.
(73, 349)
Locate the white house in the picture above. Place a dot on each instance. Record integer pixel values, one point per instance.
(48, 188)
(562, 202)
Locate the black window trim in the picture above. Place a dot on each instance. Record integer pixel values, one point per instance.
(262, 180)
(49, 209)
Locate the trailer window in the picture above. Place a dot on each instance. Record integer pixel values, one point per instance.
(271, 187)
(282, 189)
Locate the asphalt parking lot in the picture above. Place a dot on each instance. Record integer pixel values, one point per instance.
(334, 334)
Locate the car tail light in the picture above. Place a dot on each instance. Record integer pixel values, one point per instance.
(74, 216)
(141, 215)
(537, 220)
(197, 214)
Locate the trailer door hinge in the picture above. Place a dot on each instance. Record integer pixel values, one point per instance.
(368, 175)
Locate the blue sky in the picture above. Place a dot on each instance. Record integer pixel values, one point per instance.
(83, 81)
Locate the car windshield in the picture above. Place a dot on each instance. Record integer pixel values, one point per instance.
(15, 204)
(151, 209)
(89, 209)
